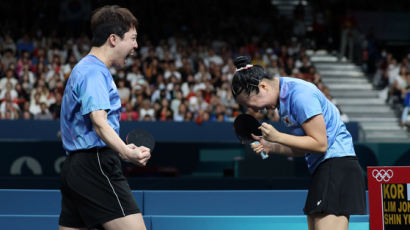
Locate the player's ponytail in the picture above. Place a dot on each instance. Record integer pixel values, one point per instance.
(247, 76)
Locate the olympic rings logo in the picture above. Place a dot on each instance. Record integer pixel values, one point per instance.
(382, 175)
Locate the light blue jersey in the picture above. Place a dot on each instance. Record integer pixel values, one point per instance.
(89, 88)
(300, 100)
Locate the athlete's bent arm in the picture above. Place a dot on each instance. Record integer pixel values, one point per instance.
(315, 140)
(135, 154)
(275, 148)
(274, 141)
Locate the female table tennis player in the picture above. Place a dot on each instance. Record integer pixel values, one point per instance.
(337, 188)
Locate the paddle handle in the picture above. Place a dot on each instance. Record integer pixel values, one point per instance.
(263, 154)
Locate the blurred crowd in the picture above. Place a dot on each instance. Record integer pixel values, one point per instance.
(175, 80)
(392, 79)
(185, 58)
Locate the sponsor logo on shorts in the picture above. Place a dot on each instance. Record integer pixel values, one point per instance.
(319, 202)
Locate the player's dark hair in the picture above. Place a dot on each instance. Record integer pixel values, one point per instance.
(109, 20)
(246, 77)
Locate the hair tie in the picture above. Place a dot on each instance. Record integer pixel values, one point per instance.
(245, 67)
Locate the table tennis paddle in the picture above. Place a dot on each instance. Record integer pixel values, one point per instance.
(244, 126)
(140, 137)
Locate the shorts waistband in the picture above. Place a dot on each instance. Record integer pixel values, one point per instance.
(349, 157)
(92, 150)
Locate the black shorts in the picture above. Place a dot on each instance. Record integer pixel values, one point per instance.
(338, 188)
(94, 189)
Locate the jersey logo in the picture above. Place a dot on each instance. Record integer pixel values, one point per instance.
(286, 120)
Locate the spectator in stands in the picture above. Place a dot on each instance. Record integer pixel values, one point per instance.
(406, 96)
(146, 109)
(39, 57)
(273, 68)
(68, 66)
(44, 114)
(290, 67)
(171, 70)
(42, 90)
(137, 95)
(26, 109)
(306, 65)
(151, 70)
(124, 91)
(294, 48)
(160, 94)
(135, 77)
(26, 116)
(129, 114)
(9, 44)
(268, 56)
(22, 94)
(25, 44)
(398, 87)
(24, 62)
(8, 105)
(176, 101)
(179, 115)
(189, 116)
(202, 116)
(186, 69)
(393, 70)
(54, 68)
(8, 58)
(55, 108)
(164, 114)
(11, 113)
(219, 114)
(26, 72)
(9, 90)
(147, 117)
(202, 74)
(212, 57)
(10, 78)
(258, 60)
(35, 105)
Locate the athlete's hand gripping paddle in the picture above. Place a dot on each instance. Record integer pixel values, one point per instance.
(140, 137)
(244, 126)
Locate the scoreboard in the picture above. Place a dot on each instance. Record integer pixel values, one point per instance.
(389, 197)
